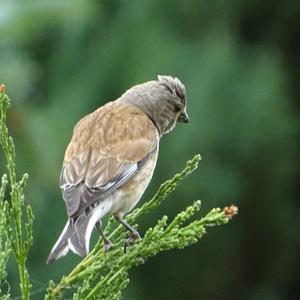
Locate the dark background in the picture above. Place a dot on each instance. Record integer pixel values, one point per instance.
(239, 61)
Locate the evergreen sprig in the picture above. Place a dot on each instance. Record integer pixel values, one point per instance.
(104, 276)
(17, 229)
(4, 244)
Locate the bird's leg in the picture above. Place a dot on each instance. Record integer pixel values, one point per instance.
(107, 243)
(134, 235)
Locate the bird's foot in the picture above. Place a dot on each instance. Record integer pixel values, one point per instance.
(134, 236)
(107, 245)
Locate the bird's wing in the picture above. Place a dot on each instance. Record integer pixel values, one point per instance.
(107, 149)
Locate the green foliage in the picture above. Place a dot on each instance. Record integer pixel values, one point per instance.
(104, 276)
(4, 245)
(99, 275)
(18, 232)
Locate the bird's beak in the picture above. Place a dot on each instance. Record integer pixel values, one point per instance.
(183, 117)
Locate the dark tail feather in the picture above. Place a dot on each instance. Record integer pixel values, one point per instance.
(78, 241)
(61, 247)
(74, 237)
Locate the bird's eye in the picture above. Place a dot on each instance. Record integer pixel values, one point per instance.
(177, 108)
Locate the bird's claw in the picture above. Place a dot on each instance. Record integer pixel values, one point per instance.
(107, 246)
(134, 236)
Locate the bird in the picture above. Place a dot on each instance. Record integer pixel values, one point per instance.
(111, 158)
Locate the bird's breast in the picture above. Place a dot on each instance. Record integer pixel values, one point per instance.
(127, 196)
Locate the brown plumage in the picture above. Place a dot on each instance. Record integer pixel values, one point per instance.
(111, 158)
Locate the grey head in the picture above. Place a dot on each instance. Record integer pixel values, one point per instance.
(163, 100)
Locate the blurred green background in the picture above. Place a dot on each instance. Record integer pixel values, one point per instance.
(239, 61)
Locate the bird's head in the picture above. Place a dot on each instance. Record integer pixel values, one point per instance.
(163, 100)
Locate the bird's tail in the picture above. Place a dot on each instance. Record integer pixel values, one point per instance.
(75, 237)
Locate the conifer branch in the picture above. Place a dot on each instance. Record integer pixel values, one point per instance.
(17, 229)
(104, 276)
